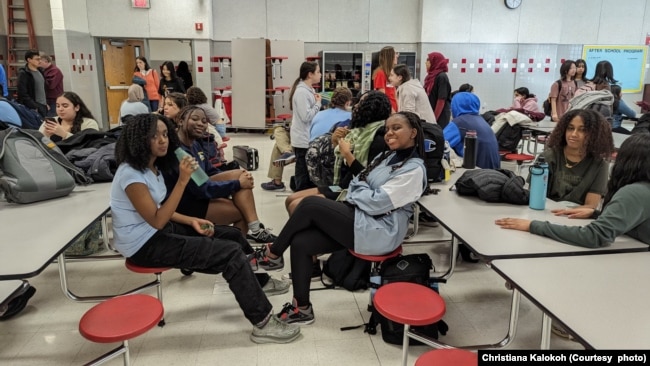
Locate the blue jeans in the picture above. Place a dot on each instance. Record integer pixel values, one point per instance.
(180, 246)
(52, 111)
(221, 129)
(154, 105)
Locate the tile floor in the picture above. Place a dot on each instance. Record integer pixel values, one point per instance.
(206, 327)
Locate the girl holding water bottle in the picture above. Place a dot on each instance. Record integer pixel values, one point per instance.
(625, 209)
(150, 232)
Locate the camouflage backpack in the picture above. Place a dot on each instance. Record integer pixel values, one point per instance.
(320, 160)
(90, 242)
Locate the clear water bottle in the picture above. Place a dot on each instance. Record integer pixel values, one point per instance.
(375, 282)
(470, 150)
(199, 177)
(538, 184)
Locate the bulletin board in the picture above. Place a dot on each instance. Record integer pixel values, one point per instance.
(628, 63)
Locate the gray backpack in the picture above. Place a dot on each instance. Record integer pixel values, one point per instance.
(32, 168)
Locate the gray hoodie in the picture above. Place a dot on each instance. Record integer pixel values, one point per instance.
(305, 108)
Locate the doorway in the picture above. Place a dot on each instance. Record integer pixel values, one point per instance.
(119, 61)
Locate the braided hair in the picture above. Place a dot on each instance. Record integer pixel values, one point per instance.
(417, 151)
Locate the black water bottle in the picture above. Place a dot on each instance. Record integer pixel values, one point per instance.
(470, 150)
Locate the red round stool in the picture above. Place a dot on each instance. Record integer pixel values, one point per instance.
(118, 320)
(519, 159)
(410, 304)
(376, 261)
(157, 283)
(456, 357)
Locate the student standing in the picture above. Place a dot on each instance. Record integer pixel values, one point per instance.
(437, 86)
(411, 96)
(305, 103)
(31, 84)
(53, 83)
(387, 60)
(151, 80)
(169, 82)
(561, 94)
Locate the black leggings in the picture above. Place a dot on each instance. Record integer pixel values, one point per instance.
(317, 226)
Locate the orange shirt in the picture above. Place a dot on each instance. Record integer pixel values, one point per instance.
(153, 83)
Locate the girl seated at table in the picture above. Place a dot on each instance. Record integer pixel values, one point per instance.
(625, 210)
(577, 152)
(150, 233)
(72, 116)
(372, 218)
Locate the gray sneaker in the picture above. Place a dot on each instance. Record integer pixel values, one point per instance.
(276, 287)
(275, 331)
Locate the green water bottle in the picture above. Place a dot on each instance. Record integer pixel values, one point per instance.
(199, 177)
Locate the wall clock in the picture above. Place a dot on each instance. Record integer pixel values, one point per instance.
(512, 4)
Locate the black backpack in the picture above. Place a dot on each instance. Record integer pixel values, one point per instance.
(434, 149)
(412, 268)
(509, 136)
(347, 271)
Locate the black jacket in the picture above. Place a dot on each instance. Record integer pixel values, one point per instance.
(27, 90)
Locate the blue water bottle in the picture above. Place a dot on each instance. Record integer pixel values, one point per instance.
(538, 184)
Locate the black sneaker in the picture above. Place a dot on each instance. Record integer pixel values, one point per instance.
(266, 263)
(271, 186)
(292, 314)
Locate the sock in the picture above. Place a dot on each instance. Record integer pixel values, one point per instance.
(263, 323)
(254, 226)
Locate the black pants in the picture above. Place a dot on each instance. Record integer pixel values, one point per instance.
(301, 176)
(180, 246)
(318, 226)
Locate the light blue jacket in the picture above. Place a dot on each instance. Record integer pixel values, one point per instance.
(384, 204)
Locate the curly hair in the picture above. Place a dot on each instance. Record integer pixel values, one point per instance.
(632, 164)
(82, 113)
(418, 150)
(598, 142)
(195, 95)
(134, 144)
(373, 106)
(340, 96)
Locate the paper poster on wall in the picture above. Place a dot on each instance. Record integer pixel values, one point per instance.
(628, 63)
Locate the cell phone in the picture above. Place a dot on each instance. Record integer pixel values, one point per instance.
(50, 120)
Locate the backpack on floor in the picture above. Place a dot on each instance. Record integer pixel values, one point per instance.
(89, 242)
(434, 150)
(17, 301)
(414, 268)
(346, 270)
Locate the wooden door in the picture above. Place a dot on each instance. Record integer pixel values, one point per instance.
(119, 63)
